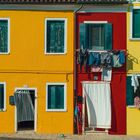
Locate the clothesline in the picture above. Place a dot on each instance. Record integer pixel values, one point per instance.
(108, 59)
(104, 50)
(95, 82)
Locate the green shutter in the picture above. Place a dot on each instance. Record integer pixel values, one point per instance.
(88, 39)
(48, 36)
(3, 36)
(83, 36)
(55, 97)
(55, 36)
(60, 97)
(51, 97)
(129, 92)
(1, 96)
(136, 23)
(108, 36)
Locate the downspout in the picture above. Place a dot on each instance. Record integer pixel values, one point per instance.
(75, 43)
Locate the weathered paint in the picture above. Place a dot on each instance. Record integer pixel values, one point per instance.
(133, 114)
(118, 84)
(28, 65)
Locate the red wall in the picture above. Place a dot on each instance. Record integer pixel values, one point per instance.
(118, 83)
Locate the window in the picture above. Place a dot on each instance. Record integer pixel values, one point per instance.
(2, 97)
(96, 36)
(133, 91)
(56, 97)
(55, 36)
(136, 23)
(4, 36)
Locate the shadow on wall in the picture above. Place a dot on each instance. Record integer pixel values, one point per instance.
(130, 61)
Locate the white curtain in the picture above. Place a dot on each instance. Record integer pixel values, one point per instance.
(98, 102)
(25, 108)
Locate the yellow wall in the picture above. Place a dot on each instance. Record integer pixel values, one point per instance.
(133, 47)
(28, 65)
(133, 121)
(133, 66)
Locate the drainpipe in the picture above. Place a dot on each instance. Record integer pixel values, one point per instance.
(75, 42)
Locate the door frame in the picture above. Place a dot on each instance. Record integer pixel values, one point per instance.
(35, 115)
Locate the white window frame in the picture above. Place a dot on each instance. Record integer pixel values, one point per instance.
(131, 22)
(65, 98)
(8, 19)
(65, 35)
(4, 109)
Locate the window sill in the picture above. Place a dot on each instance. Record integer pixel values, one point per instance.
(131, 106)
(135, 2)
(56, 110)
(55, 53)
(134, 39)
(2, 110)
(4, 53)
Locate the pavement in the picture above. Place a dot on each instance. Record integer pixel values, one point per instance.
(33, 136)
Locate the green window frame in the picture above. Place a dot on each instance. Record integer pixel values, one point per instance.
(2, 96)
(135, 23)
(96, 36)
(130, 94)
(4, 35)
(55, 35)
(56, 97)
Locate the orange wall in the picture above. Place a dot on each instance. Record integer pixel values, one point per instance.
(28, 65)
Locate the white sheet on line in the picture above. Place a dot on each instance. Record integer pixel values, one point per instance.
(98, 103)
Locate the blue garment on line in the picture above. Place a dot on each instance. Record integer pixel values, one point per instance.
(94, 59)
(106, 59)
(76, 111)
(121, 57)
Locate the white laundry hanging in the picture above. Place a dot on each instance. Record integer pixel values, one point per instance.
(106, 74)
(98, 102)
(134, 82)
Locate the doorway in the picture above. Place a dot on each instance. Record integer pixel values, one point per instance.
(96, 106)
(25, 109)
